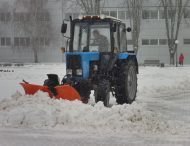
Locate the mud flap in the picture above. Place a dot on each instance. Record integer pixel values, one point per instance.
(63, 91)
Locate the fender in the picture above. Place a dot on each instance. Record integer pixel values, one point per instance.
(129, 56)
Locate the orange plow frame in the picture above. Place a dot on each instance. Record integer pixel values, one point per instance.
(63, 91)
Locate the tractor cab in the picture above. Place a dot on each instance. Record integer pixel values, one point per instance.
(91, 38)
(97, 34)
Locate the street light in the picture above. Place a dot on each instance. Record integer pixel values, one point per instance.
(176, 42)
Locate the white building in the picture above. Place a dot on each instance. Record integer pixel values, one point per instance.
(15, 44)
(153, 39)
(152, 42)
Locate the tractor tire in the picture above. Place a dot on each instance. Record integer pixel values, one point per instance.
(127, 83)
(102, 92)
(84, 89)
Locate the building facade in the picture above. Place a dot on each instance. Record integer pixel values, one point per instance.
(16, 46)
(153, 39)
(19, 34)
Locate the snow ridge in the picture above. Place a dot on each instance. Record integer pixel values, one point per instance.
(40, 111)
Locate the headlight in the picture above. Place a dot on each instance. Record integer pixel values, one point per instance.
(80, 17)
(95, 67)
(69, 71)
(102, 16)
(79, 72)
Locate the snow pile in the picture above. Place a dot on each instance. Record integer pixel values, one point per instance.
(39, 111)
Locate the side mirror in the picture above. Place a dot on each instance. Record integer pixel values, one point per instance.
(64, 27)
(114, 27)
(128, 29)
(63, 50)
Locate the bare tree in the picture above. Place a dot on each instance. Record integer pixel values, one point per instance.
(134, 8)
(35, 23)
(173, 14)
(69, 5)
(90, 6)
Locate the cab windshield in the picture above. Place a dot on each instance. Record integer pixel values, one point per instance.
(91, 37)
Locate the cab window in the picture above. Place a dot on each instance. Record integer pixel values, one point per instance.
(123, 39)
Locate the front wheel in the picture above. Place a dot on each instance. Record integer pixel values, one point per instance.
(102, 92)
(127, 84)
(84, 89)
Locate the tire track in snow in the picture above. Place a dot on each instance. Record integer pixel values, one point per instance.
(172, 104)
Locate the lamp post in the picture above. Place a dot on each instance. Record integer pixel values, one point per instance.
(176, 43)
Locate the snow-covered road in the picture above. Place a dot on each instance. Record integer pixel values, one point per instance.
(160, 115)
(28, 137)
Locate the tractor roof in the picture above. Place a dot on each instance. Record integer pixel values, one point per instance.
(97, 18)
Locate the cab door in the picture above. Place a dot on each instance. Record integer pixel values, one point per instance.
(122, 38)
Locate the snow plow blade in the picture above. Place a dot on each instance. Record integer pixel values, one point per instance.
(63, 91)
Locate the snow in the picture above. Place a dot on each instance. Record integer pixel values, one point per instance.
(39, 111)
(160, 115)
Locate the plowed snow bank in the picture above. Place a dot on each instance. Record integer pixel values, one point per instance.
(39, 111)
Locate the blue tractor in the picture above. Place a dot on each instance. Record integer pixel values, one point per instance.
(98, 59)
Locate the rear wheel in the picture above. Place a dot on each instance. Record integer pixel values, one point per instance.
(127, 84)
(102, 92)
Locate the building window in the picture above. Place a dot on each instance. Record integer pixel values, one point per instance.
(24, 41)
(113, 14)
(145, 42)
(150, 14)
(187, 14)
(161, 14)
(163, 42)
(186, 41)
(121, 15)
(127, 15)
(153, 41)
(149, 41)
(43, 16)
(171, 13)
(153, 14)
(145, 14)
(21, 41)
(5, 17)
(20, 17)
(129, 42)
(16, 42)
(17, 17)
(41, 41)
(5, 41)
(105, 13)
